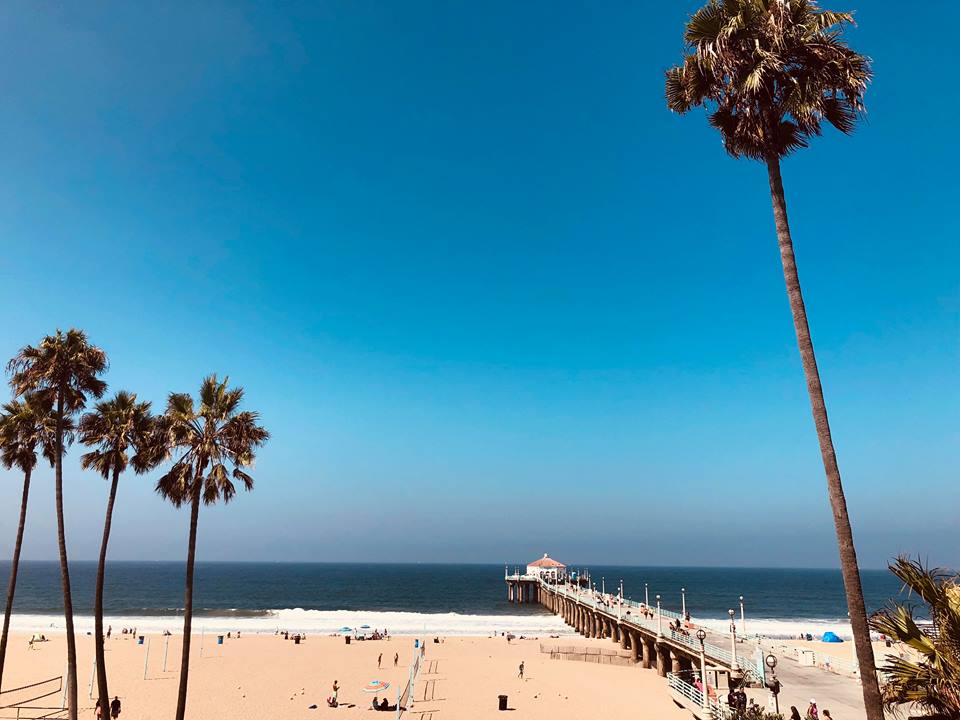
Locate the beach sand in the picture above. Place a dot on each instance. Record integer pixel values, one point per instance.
(267, 677)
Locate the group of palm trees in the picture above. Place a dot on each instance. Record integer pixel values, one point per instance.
(203, 447)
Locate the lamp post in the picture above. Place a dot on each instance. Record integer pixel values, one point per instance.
(743, 620)
(659, 619)
(774, 684)
(603, 586)
(733, 640)
(620, 602)
(683, 602)
(646, 595)
(704, 700)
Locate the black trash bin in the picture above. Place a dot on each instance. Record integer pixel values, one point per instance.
(503, 702)
(296, 639)
(347, 638)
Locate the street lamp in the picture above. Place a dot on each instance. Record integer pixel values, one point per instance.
(743, 621)
(733, 640)
(704, 700)
(683, 602)
(773, 683)
(646, 595)
(659, 619)
(603, 586)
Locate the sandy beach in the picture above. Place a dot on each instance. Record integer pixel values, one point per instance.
(267, 677)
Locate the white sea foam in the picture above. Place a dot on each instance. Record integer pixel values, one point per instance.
(406, 623)
(781, 628)
(317, 622)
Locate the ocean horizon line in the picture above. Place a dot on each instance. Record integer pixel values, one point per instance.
(433, 563)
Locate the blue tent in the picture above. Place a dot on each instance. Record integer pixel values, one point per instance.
(831, 637)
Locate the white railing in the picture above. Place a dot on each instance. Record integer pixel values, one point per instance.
(649, 623)
(715, 708)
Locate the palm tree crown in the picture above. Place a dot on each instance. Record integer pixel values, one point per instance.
(931, 679)
(211, 437)
(117, 426)
(65, 365)
(770, 71)
(25, 426)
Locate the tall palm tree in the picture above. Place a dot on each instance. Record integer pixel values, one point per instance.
(25, 426)
(116, 427)
(931, 679)
(205, 441)
(769, 73)
(62, 371)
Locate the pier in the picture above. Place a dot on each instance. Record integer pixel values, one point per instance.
(668, 643)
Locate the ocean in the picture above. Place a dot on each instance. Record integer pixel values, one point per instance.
(420, 598)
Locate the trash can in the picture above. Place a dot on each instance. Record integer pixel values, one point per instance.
(219, 639)
(296, 639)
(347, 639)
(503, 702)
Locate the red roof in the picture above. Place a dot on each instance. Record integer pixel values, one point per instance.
(546, 562)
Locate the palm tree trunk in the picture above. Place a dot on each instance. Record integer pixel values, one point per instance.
(188, 602)
(102, 691)
(14, 566)
(65, 571)
(848, 553)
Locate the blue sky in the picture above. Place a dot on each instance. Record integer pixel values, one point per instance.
(491, 298)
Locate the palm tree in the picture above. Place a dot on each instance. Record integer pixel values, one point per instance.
(25, 426)
(933, 680)
(61, 371)
(770, 72)
(207, 439)
(116, 427)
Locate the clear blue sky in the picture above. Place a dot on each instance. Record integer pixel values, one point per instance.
(490, 296)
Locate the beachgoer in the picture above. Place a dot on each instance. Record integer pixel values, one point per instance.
(376, 705)
(384, 705)
(521, 670)
(98, 710)
(379, 660)
(812, 711)
(827, 715)
(115, 707)
(396, 659)
(794, 713)
(336, 690)
(109, 631)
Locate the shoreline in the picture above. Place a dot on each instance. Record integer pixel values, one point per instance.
(325, 622)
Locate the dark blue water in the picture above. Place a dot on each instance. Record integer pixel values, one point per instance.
(250, 589)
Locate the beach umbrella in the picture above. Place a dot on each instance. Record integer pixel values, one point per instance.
(376, 686)
(364, 627)
(346, 629)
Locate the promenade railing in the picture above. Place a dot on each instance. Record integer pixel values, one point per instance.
(714, 708)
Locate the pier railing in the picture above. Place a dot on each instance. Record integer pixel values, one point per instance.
(648, 623)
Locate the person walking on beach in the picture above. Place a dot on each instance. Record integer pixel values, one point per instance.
(794, 713)
(812, 711)
(115, 708)
(379, 660)
(97, 710)
(827, 715)
(520, 675)
(396, 659)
